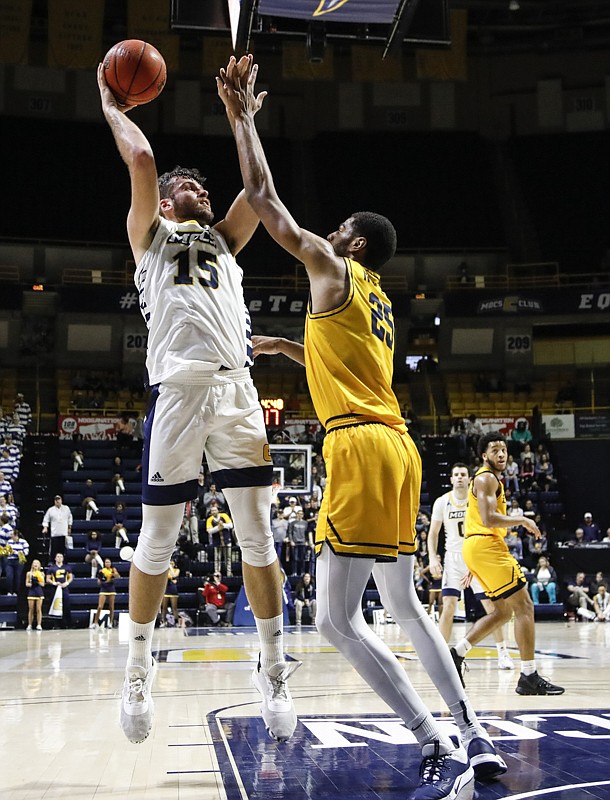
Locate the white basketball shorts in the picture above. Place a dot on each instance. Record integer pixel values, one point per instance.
(454, 569)
(221, 416)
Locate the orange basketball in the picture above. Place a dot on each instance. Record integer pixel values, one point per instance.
(135, 72)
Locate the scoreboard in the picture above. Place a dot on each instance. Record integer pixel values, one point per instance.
(273, 411)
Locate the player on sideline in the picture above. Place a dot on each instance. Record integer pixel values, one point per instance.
(488, 559)
(348, 355)
(203, 399)
(449, 510)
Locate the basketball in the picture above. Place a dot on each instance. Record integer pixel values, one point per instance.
(135, 72)
(126, 553)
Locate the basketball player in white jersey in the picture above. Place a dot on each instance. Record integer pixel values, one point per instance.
(202, 400)
(449, 510)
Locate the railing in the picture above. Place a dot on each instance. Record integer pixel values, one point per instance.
(528, 276)
(106, 277)
(9, 273)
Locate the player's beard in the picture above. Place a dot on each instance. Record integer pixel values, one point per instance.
(193, 210)
(495, 466)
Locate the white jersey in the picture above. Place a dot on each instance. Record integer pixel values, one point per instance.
(451, 513)
(191, 298)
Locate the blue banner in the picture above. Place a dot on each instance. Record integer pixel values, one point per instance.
(382, 11)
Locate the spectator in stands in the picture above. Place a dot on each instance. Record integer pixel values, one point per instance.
(606, 539)
(16, 430)
(119, 524)
(170, 597)
(60, 574)
(527, 452)
(474, 431)
(300, 538)
(215, 525)
(279, 528)
(514, 544)
(601, 604)
(106, 578)
(214, 496)
(422, 523)
(545, 579)
(526, 475)
(579, 593)
(514, 509)
(290, 510)
(213, 597)
(15, 561)
(591, 529)
(511, 475)
(305, 597)
(578, 538)
(93, 556)
(57, 520)
(530, 509)
(6, 530)
(10, 509)
(23, 411)
(34, 581)
(124, 432)
(422, 551)
(458, 432)
(9, 465)
(597, 582)
(544, 474)
(78, 460)
(118, 483)
(88, 493)
(6, 487)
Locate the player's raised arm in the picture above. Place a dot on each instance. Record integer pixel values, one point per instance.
(236, 89)
(136, 152)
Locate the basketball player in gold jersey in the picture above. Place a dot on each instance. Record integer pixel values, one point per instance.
(371, 460)
(488, 559)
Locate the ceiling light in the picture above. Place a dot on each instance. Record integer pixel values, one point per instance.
(514, 5)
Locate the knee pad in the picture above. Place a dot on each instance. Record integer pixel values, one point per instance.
(250, 508)
(158, 536)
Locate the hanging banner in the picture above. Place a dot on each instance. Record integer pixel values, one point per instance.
(149, 20)
(88, 428)
(15, 16)
(331, 10)
(449, 64)
(75, 33)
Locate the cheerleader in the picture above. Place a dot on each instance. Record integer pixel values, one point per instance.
(171, 594)
(105, 579)
(34, 580)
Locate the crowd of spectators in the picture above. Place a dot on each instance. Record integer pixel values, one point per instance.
(14, 547)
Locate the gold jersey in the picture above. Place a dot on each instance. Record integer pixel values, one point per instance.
(473, 524)
(349, 355)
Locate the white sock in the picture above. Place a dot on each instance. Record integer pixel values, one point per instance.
(426, 732)
(463, 647)
(501, 647)
(466, 720)
(271, 636)
(528, 667)
(140, 644)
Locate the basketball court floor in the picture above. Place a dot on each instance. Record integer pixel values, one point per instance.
(59, 736)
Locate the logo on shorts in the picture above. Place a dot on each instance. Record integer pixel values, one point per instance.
(157, 478)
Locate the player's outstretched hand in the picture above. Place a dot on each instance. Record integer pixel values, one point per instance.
(236, 87)
(266, 345)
